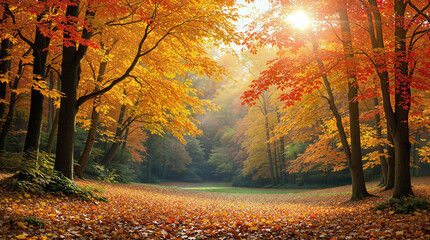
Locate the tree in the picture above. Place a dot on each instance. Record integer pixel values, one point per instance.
(359, 190)
(40, 54)
(162, 23)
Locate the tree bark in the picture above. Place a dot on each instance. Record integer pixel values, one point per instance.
(53, 132)
(390, 160)
(12, 102)
(359, 190)
(402, 145)
(107, 159)
(85, 156)
(5, 64)
(269, 152)
(5, 67)
(54, 128)
(382, 159)
(40, 54)
(72, 56)
(397, 119)
(51, 107)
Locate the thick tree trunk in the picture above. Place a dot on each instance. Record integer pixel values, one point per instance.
(72, 56)
(355, 164)
(40, 54)
(397, 120)
(67, 115)
(402, 145)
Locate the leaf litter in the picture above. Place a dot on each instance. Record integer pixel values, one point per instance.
(136, 211)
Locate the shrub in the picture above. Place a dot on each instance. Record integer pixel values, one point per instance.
(38, 176)
(404, 205)
(31, 221)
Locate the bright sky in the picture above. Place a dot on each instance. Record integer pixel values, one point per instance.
(251, 9)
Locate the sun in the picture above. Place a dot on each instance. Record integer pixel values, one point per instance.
(299, 19)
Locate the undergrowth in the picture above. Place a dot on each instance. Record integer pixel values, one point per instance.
(404, 205)
(37, 175)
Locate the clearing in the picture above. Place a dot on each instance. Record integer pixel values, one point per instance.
(137, 211)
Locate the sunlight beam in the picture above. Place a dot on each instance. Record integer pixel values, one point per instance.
(299, 19)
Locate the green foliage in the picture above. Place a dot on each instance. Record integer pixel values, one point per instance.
(189, 175)
(246, 181)
(98, 171)
(293, 149)
(404, 205)
(38, 176)
(33, 221)
(122, 173)
(220, 159)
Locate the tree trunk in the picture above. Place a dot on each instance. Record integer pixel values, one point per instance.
(5, 64)
(12, 102)
(124, 146)
(282, 159)
(67, 115)
(416, 157)
(54, 128)
(390, 161)
(376, 36)
(402, 145)
(53, 132)
(355, 164)
(85, 157)
(72, 56)
(397, 120)
(5, 67)
(40, 54)
(382, 160)
(51, 107)
(117, 141)
(149, 170)
(275, 162)
(282, 154)
(269, 152)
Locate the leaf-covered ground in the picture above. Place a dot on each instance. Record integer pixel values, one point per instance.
(145, 212)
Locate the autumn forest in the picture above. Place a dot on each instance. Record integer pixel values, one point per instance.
(290, 119)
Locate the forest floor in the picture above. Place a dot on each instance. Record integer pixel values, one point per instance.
(137, 211)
